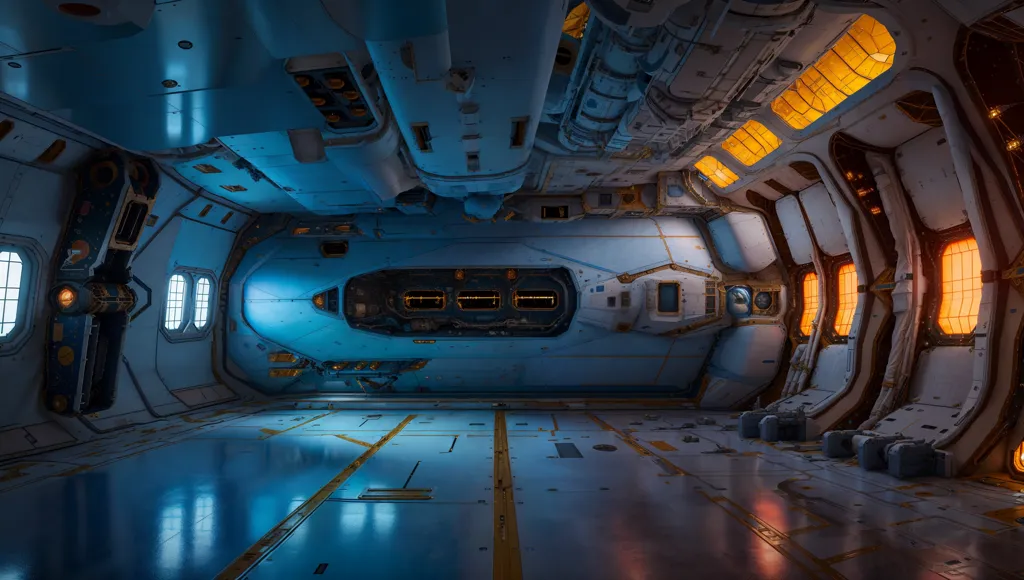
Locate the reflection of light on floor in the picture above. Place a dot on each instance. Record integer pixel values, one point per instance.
(769, 562)
(11, 574)
(299, 535)
(354, 517)
(203, 522)
(169, 556)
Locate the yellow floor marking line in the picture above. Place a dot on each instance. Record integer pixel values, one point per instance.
(508, 561)
(1008, 515)
(638, 447)
(851, 554)
(271, 432)
(279, 533)
(776, 539)
(554, 422)
(356, 441)
(15, 471)
(663, 446)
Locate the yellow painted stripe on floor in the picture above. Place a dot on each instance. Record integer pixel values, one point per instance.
(1008, 515)
(791, 550)
(600, 422)
(279, 533)
(636, 445)
(271, 432)
(662, 446)
(356, 441)
(851, 554)
(508, 561)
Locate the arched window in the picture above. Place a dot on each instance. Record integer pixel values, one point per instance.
(174, 312)
(847, 298)
(809, 289)
(862, 54)
(11, 280)
(961, 287)
(201, 313)
(751, 143)
(188, 313)
(713, 169)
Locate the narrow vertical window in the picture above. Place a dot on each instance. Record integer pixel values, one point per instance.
(175, 309)
(961, 287)
(11, 268)
(847, 299)
(201, 315)
(810, 311)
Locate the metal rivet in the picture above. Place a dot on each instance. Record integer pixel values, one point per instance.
(184, 45)
(169, 83)
(14, 64)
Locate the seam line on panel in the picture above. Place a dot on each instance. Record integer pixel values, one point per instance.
(249, 559)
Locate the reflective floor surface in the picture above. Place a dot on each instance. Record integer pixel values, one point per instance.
(411, 494)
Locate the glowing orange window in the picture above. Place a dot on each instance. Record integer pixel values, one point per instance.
(1018, 458)
(961, 287)
(847, 299)
(810, 292)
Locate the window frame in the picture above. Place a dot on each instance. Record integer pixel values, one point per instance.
(830, 302)
(935, 245)
(852, 99)
(838, 292)
(31, 255)
(188, 330)
(801, 300)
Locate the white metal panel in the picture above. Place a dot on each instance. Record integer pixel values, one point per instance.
(824, 218)
(926, 169)
(943, 376)
(827, 379)
(745, 360)
(795, 229)
(742, 241)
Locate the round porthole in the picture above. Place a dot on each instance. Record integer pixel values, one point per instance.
(763, 300)
(738, 301)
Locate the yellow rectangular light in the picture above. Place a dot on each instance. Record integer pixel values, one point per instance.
(862, 54)
(751, 143)
(713, 169)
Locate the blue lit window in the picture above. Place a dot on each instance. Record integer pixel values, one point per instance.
(188, 312)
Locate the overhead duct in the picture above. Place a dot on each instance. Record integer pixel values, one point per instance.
(466, 96)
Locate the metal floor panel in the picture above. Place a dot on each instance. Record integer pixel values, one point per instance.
(393, 494)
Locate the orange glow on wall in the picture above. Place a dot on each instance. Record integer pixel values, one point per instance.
(961, 287)
(847, 299)
(1018, 458)
(810, 293)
